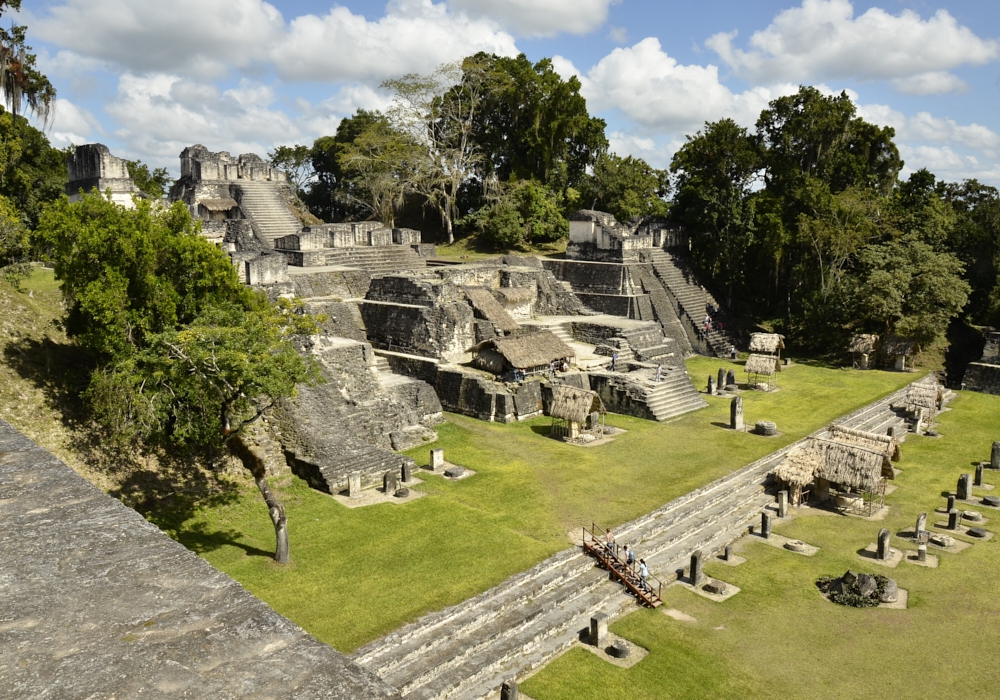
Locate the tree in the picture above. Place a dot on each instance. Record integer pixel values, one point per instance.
(626, 187)
(439, 111)
(152, 183)
(15, 245)
(523, 212)
(975, 240)
(296, 162)
(22, 84)
(716, 173)
(186, 356)
(332, 195)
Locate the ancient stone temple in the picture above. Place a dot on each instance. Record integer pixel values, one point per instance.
(91, 166)
(984, 376)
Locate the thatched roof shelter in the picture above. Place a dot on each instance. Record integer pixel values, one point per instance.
(517, 295)
(799, 467)
(485, 306)
(922, 395)
(863, 343)
(887, 444)
(768, 343)
(572, 404)
(897, 345)
(521, 352)
(762, 364)
(840, 458)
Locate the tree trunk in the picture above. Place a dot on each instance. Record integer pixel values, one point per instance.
(255, 465)
(451, 232)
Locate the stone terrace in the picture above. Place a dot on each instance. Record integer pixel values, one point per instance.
(98, 603)
(466, 652)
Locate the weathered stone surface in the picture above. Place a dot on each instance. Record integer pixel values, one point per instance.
(964, 491)
(97, 602)
(795, 546)
(976, 532)
(454, 472)
(716, 587)
(883, 550)
(437, 459)
(995, 455)
(891, 592)
(711, 385)
(354, 485)
(406, 473)
(954, 519)
(921, 524)
(849, 577)
(508, 691)
(728, 553)
(765, 525)
(720, 384)
(991, 501)
(766, 427)
(782, 503)
(951, 502)
(866, 585)
(978, 481)
(972, 515)
(736, 413)
(620, 649)
(401, 492)
(731, 379)
(941, 540)
(389, 482)
(697, 568)
(598, 629)
(922, 552)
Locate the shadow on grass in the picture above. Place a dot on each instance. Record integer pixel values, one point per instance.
(201, 540)
(59, 370)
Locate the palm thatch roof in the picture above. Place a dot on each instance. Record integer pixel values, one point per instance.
(897, 345)
(887, 444)
(922, 395)
(490, 360)
(219, 204)
(839, 461)
(524, 351)
(762, 364)
(572, 404)
(766, 342)
(863, 343)
(485, 305)
(517, 295)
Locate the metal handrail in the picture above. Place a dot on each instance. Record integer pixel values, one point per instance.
(603, 546)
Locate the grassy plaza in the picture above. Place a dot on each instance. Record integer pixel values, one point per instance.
(357, 574)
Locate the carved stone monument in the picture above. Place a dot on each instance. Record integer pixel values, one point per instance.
(995, 456)
(883, 551)
(728, 553)
(437, 460)
(782, 504)
(951, 502)
(406, 473)
(921, 525)
(736, 413)
(921, 552)
(354, 485)
(711, 385)
(721, 382)
(979, 476)
(964, 492)
(765, 525)
(954, 519)
(697, 568)
(508, 691)
(731, 379)
(598, 629)
(389, 484)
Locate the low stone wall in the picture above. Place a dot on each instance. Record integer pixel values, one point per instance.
(591, 277)
(445, 331)
(466, 392)
(982, 377)
(614, 304)
(345, 284)
(621, 395)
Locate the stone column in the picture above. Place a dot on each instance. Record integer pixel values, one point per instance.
(599, 630)
(765, 525)
(954, 519)
(979, 476)
(922, 552)
(711, 385)
(728, 554)
(995, 456)
(883, 549)
(354, 485)
(389, 483)
(921, 525)
(406, 472)
(722, 380)
(964, 488)
(736, 413)
(782, 504)
(437, 460)
(951, 502)
(730, 378)
(508, 691)
(697, 568)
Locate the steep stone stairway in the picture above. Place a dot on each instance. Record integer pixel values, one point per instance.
(378, 259)
(691, 298)
(673, 395)
(266, 207)
(466, 651)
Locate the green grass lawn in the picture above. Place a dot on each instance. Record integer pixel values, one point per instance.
(358, 574)
(779, 638)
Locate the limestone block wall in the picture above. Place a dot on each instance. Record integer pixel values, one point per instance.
(344, 284)
(466, 392)
(340, 318)
(411, 289)
(444, 331)
(622, 395)
(594, 278)
(267, 269)
(553, 299)
(982, 377)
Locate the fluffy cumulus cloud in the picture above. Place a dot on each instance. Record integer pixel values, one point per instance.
(540, 17)
(72, 124)
(415, 36)
(654, 90)
(822, 39)
(195, 37)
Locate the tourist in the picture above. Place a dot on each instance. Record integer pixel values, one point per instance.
(659, 373)
(708, 324)
(609, 541)
(644, 573)
(732, 353)
(552, 369)
(614, 360)
(629, 556)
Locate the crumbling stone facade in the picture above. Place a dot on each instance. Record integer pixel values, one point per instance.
(91, 166)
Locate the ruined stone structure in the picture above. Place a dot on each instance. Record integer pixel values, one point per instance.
(98, 602)
(984, 376)
(92, 166)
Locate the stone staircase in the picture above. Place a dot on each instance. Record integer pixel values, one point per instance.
(377, 259)
(331, 476)
(673, 395)
(691, 301)
(465, 652)
(263, 203)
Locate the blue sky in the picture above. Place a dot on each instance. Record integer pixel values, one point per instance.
(148, 78)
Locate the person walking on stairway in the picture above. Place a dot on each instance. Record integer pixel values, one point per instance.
(644, 573)
(614, 360)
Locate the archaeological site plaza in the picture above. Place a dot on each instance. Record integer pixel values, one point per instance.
(591, 348)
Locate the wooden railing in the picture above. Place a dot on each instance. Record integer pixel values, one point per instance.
(601, 545)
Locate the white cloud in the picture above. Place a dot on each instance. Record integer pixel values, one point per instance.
(657, 153)
(196, 37)
(73, 124)
(541, 17)
(415, 36)
(654, 90)
(924, 127)
(823, 39)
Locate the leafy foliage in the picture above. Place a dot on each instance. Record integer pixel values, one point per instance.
(525, 212)
(15, 245)
(295, 162)
(626, 187)
(152, 183)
